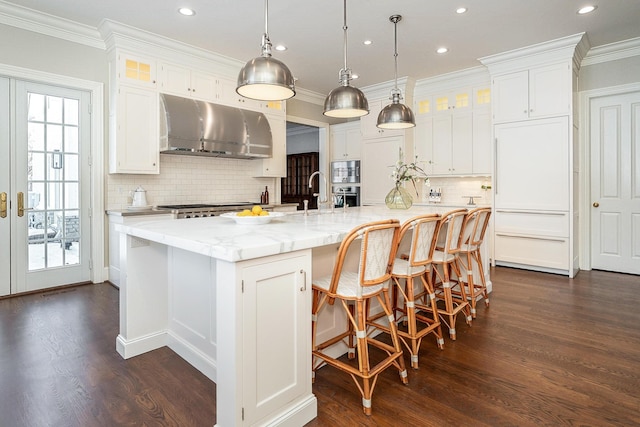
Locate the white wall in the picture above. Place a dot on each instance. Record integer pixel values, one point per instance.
(607, 74)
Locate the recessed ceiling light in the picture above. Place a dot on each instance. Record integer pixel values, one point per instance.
(281, 47)
(442, 50)
(186, 11)
(586, 9)
(368, 42)
(461, 10)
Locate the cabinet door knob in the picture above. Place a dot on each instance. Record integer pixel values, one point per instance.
(596, 204)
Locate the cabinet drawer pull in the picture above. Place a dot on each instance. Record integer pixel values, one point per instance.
(550, 239)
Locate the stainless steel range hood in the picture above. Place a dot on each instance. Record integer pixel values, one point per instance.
(199, 128)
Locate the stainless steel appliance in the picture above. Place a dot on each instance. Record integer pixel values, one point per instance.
(201, 210)
(346, 194)
(345, 172)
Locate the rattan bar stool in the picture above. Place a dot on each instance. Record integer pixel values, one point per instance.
(446, 263)
(355, 290)
(473, 231)
(418, 307)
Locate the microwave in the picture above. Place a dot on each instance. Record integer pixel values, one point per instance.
(345, 171)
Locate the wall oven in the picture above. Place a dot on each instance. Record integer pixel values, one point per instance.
(345, 172)
(346, 194)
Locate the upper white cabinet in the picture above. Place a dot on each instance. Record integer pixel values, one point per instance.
(133, 115)
(180, 80)
(538, 92)
(368, 122)
(276, 166)
(346, 141)
(135, 70)
(229, 96)
(453, 127)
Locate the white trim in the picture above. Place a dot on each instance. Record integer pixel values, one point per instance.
(585, 158)
(612, 52)
(49, 25)
(96, 90)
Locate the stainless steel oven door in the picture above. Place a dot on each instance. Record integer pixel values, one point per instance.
(346, 194)
(345, 172)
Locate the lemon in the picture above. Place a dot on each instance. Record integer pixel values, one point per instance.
(264, 213)
(256, 210)
(245, 212)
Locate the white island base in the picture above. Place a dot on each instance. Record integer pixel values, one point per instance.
(235, 302)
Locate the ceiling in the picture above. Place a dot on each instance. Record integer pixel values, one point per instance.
(312, 30)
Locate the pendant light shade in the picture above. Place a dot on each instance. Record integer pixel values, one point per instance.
(346, 101)
(265, 78)
(396, 115)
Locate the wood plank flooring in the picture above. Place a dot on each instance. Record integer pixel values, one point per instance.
(549, 351)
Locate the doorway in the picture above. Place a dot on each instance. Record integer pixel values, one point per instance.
(306, 153)
(44, 186)
(614, 136)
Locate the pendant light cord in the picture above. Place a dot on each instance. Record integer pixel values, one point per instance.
(344, 29)
(395, 50)
(266, 43)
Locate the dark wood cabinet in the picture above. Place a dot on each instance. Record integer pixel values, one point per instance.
(295, 186)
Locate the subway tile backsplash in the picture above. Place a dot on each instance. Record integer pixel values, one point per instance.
(455, 188)
(190, 179)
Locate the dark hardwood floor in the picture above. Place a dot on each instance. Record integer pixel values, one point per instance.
(549, 351)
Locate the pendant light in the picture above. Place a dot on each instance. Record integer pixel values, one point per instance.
(345, 101)
(396, 115)
(265, 78)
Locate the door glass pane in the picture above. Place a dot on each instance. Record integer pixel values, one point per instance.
(53, 182)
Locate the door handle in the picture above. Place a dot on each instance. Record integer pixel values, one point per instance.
(3, 205)
(21, 207)
(596, 204)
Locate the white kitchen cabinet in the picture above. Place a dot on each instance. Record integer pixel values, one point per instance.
(368, 123)
(136, 70)
(453, 144)
(379, 156)
(423, 143)
(276, 324)
(114, 238)
(537, 92)
(346, 140)
(179, 80)
(134, 142)
(481, 160)
(276, 165)
(453, 101)
(227, 95)
(532, 165)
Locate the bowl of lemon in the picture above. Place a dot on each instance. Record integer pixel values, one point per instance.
(254, 216)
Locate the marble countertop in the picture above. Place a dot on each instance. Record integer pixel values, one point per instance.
(222, 238)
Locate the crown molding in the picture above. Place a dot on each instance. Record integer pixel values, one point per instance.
(612, 51)
(309, 96)
(468, 77)
(49, 25)
(561, 49)
(383, 90)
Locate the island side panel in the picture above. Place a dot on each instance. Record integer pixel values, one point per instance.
(143, 296)
(192, 309)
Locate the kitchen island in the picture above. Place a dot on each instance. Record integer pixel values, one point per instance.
(234, 301)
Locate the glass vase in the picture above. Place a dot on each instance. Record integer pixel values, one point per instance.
(398, 198)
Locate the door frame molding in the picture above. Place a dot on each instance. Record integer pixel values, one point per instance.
(584, 206)
(96, 203)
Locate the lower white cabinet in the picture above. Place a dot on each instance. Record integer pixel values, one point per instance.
(276, 324)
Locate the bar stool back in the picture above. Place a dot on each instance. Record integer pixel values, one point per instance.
(473, 231)
(446, 263)
(354, 290)
(419, 308)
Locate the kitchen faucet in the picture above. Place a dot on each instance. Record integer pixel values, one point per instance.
(317, 195)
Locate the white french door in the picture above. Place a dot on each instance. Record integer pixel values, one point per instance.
(45, 146)
(615, 183)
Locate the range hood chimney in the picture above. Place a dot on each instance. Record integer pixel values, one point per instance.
(199, 128)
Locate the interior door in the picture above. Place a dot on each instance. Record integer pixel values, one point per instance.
(45, 144)
(5, 190)
(615, 183)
